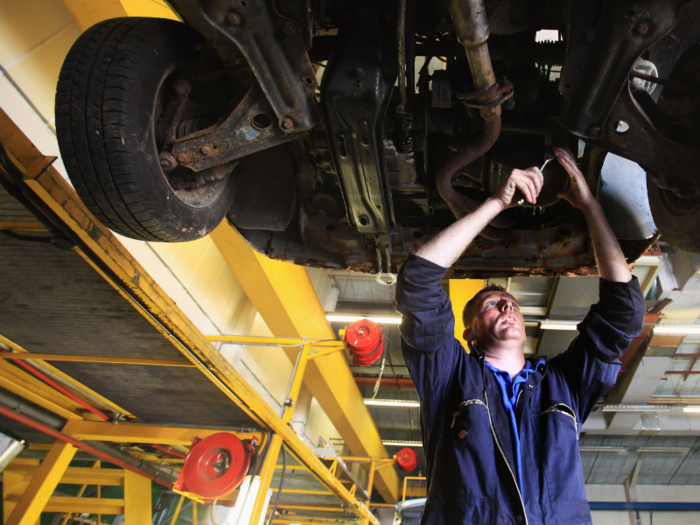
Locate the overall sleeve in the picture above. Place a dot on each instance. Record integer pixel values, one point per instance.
(429, 347)
(592, 361)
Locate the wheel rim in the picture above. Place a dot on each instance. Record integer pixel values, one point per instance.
(194, 189)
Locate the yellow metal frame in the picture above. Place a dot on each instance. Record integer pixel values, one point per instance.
(137, 287)
(405, 482)
(26, 477)
(50, 395)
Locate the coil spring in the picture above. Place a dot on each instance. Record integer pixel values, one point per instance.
(407, 144)
(550, 53)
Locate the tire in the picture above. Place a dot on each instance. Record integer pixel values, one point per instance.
(105, 121)
(677, 219)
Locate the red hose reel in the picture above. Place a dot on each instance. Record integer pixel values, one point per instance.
(215, 466)
(364, 340)
(406, 459)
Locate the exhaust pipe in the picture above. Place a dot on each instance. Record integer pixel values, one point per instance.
(471, 25)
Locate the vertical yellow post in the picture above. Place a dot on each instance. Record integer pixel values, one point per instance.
(296, 382)
(194, 513)
(268, 469)
(461, 290)
(137, 499)
(370, 481)
(99, 494)
(41, 487)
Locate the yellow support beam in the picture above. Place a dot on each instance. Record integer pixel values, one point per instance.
(160, 435)
(64, 504)
(268, 469)
(155, 305)
(110, 477)
(42, 485)
(98, 359)
(30, 388)
(137, 499)
(77, 386)
(88, 12)
(461, 290)
(287, 301)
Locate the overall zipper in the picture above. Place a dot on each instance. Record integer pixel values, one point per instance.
(498, 444)
(568, 412)
(462, 405)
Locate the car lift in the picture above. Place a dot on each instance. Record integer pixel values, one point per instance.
(28, 486)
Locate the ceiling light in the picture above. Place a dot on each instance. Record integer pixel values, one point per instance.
(671, 450)
(558, 325)
(636, 408)
(692, 409)
(352, 318)
(402, 443)
(681, 329)
(392, 403)
(602, 448)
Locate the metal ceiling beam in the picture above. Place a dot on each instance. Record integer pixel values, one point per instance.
(287, 301)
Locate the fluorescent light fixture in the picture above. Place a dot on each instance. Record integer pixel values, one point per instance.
(352, 318)
(636, 408)
(558, 325)
(671, 450)
(602, 448)
(692, 409)
(392, 403)
(402, 443)
(679, 329)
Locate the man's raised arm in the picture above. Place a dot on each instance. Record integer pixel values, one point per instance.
(609, 258)
(446, 247)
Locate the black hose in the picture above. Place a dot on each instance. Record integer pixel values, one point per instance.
(258, 464)
(279, 490)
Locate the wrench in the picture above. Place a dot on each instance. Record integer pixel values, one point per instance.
(547, 159)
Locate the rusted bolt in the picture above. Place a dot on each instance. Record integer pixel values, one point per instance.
(462, 434)
(287, 123)
(233, 18)
(643, 28)
(182, 88)
(167, 161)
(288, 29)
(182, 157)
(206, 150)
(594, 130)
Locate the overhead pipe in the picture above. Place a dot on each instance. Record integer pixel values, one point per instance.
(10, 405)
(472, 28)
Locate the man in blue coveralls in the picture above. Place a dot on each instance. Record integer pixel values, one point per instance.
(500, 432)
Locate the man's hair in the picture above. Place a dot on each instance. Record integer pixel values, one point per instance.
(468, 313)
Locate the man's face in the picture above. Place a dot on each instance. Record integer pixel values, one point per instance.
(497, 318)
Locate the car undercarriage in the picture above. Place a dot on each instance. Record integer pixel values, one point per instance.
(347, 134)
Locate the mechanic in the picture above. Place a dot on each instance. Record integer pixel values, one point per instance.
(500, 432)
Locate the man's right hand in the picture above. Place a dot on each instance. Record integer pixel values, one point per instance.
(528, 181)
